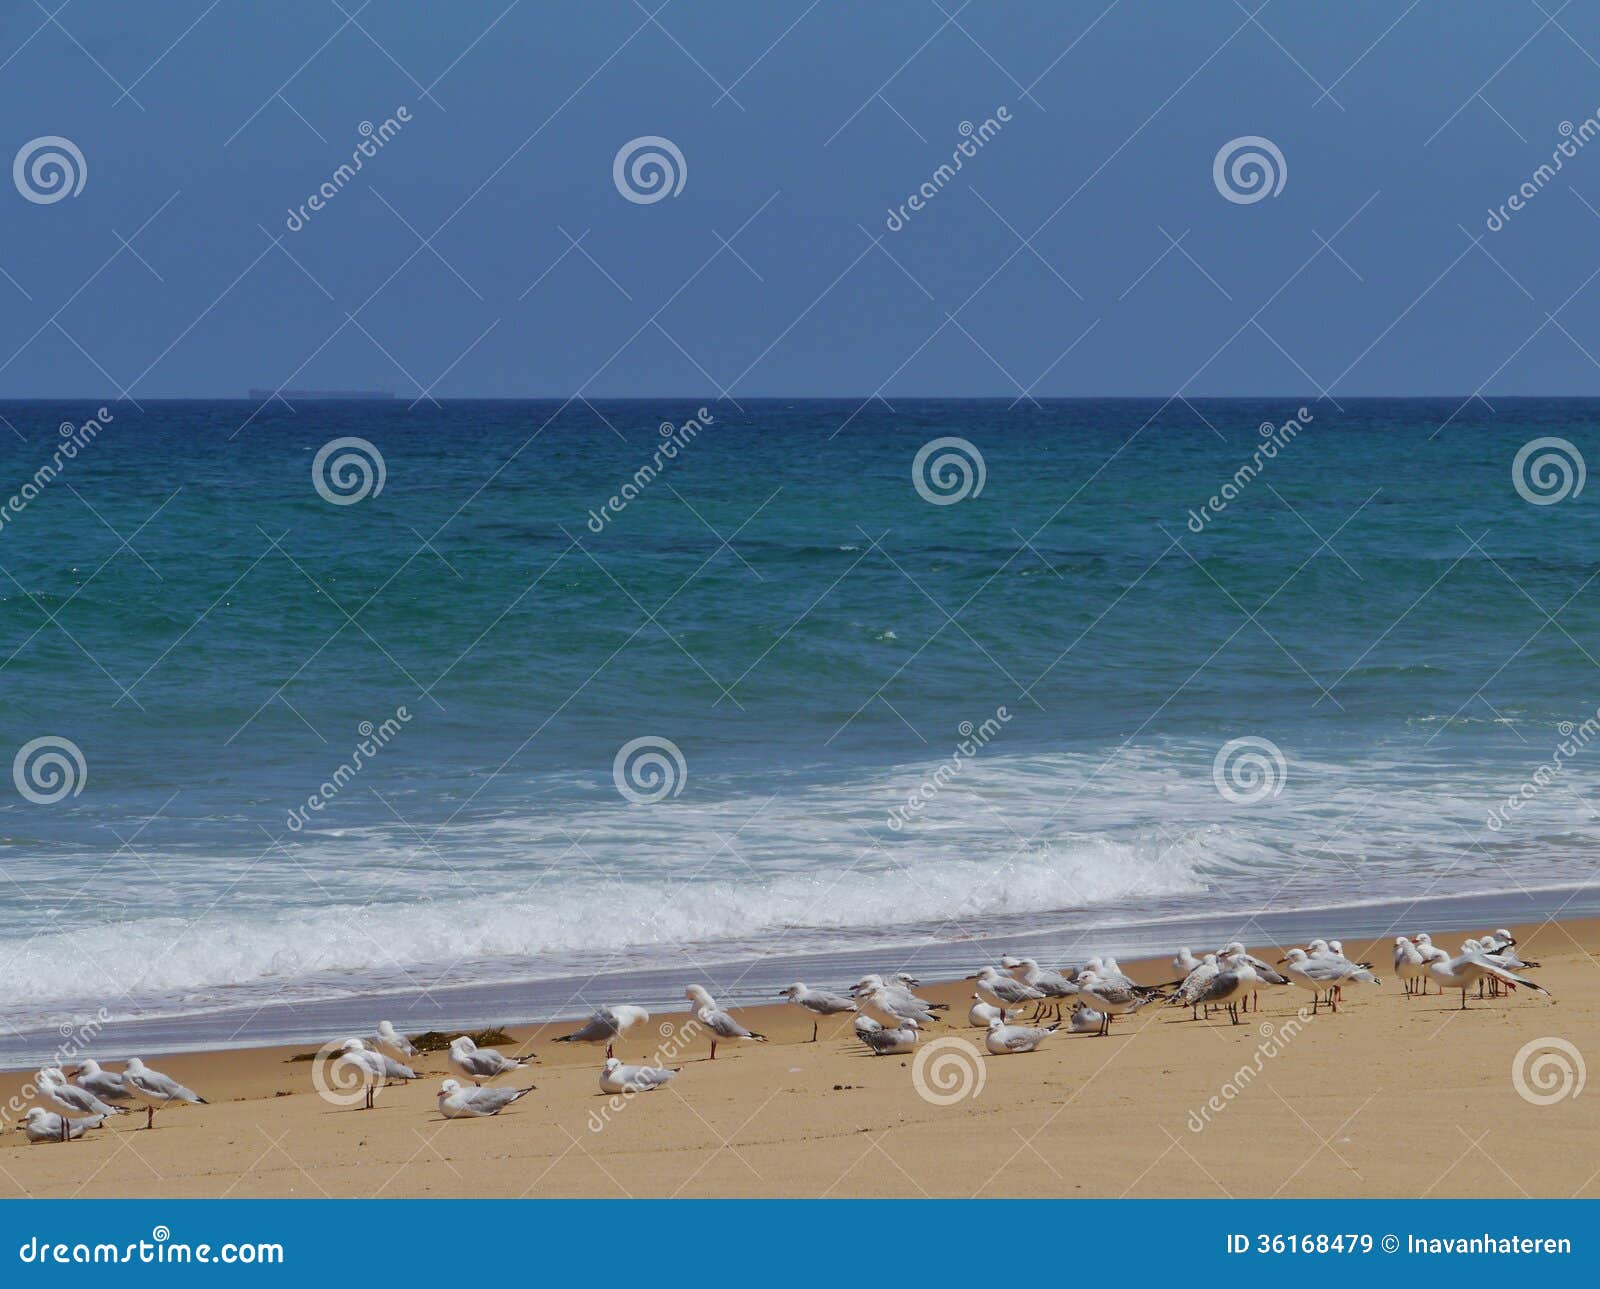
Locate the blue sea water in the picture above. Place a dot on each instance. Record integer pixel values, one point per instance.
(781, 603)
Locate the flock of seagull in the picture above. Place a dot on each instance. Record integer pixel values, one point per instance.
(1229, 980)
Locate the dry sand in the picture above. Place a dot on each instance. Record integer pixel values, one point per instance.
(1394, 1096)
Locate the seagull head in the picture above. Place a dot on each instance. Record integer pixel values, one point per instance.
(463, 1044)
(628, 1015)
(88, 1066)
(353, 1045)
(995, 1024)
(907, 979)
(1296, 955)
(1505, 935)
(1008, 962)
(449, 1088)
(793, 991)
(697, 994)
(35, 1113)
(611, 1063)
(1336, 945)
(386, 1028)
(1422, 937)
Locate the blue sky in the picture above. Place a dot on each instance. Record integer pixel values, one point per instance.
(1084, 250)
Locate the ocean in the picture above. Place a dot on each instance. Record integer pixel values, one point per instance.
(346, 754)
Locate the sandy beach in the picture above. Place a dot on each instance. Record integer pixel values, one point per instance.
(1393, 1096)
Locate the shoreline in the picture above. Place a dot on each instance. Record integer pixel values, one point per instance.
(553, 997)
(1387, 1097)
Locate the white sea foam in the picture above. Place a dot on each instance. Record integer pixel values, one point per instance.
(1018, 840)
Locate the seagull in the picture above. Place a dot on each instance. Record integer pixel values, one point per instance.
(1499, 942)
(481, 1062)
(1004, 990)
(1264, 973)
(1325, 973)
(1505, 957)
(1235, 977)
(898, 1000)
(1052, 984)
(41, 1125)
(1111, 997)
(457, 1102)
(819, 1002)
(720, 1023)
(69, 1098)
(1460, 973)
(1084, 1019)
(616, 1077)
(1430, 952)
(1003, 1039)
(865, 1025)
(1185, 961)
(1188, 993)
(395, 1042)
(155, 1089)
(376, 1068)
(981, 1013)
(607, 1025)
(899, 1006)
(1408, 964)
(890, 1042)
(103, 1083)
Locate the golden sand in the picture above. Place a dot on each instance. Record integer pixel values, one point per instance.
(1393, 1096)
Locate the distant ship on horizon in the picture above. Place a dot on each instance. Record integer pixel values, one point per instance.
(308, 395)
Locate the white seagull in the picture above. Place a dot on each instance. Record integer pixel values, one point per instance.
(1004, 989)
(375, 1068)
(41, 1125)
(1003, 1039)
(155, 1089)
(69, 1098)
(1188, 993)
(1408, 964)
(890, 1042)
(458, 1102)
(1112, 997)
(607, 1025)
(819, 1002)
(392, 1040)
(981, 1013)
(719, 1022)
(1463, 972)
(1328, 973)
(615, 1077)
(479, 1063)
(103, 1083)
(1084, 1019)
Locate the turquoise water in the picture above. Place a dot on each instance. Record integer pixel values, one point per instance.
(810, 634)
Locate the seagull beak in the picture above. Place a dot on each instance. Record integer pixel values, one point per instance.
(1281, 961)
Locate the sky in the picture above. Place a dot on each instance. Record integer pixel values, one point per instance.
(1087, 247)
